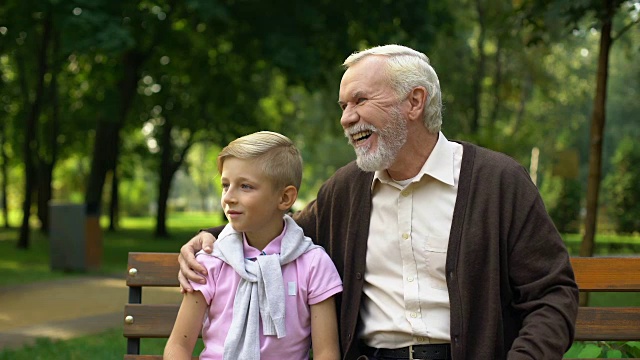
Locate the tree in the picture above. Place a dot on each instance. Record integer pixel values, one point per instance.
(546, 18)
(605, 12)
(33, 108)
(4, 158)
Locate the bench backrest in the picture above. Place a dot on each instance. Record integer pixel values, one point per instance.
(614, 274)
(149, 269)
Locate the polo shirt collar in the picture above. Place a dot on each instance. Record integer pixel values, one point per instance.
(272, 248)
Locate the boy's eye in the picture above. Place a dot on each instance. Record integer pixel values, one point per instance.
(246, 186)
(225, 186)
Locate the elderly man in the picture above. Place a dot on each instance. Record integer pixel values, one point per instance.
(445, 248)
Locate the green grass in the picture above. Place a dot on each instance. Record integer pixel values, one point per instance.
(136, 234)
(108, 345)
(606, 244)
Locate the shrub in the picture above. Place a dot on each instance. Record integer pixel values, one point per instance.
(621, 185)
(566, 211)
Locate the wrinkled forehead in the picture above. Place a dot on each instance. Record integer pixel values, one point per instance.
(368, 73)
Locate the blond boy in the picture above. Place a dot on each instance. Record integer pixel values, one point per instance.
(269, 291)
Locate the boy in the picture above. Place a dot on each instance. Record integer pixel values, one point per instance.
(269, 291)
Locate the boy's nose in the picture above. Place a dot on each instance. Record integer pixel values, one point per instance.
(228, 197)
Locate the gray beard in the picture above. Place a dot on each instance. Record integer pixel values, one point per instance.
(390, 139)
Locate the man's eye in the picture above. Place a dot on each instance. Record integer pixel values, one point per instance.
(361, 100)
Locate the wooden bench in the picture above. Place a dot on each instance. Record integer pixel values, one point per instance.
(613, 274)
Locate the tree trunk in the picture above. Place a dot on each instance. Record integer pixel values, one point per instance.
(47, 162)
(170, 162)
(107, 141)
(480, 71)
(596, 138)
(30, 143)
(115, 201)
(4, 163)
(166, 175)
(45, 177)
(4, 178)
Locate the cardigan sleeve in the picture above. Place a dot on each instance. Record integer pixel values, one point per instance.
(542, 280)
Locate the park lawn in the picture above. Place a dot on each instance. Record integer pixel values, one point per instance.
(135, 234)
(107, 345)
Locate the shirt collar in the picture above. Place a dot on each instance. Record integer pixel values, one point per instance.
(439, 165)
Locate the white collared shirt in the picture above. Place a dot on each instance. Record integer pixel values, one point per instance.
(405, 291)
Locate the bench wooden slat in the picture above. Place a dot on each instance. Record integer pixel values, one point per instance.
(594, 323)
(608, 324)
(592, 274)
(150, 320)
(153, 269)
(607, 273)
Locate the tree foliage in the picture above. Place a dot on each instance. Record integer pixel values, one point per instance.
(126, 91)
(622, 186)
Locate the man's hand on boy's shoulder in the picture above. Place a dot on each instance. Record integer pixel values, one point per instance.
(190, 268)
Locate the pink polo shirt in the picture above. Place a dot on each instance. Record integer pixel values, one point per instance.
(308, 280)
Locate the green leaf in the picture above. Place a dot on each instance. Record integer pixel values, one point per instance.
(574, 350)
(633, 344)
(590, 351)
(633, 348)
(613, 354)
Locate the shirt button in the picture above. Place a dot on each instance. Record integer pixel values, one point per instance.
(405, 236)
(410, 278)
(405, 193)
(358, 275)
(414, 315)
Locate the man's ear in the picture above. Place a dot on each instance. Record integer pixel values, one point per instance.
(288, 198)
(417, 101)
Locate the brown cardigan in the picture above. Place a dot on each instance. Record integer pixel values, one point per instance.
(511, 286)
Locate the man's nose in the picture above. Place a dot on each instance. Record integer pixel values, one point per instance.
(349, 117)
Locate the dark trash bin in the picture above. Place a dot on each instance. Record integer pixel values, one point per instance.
(75, 238)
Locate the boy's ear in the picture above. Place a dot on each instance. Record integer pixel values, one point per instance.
(288, 198)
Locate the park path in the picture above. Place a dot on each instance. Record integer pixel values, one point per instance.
(67, 308)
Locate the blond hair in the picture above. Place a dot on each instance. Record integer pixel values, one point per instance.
(275, 155)
(406, 70)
